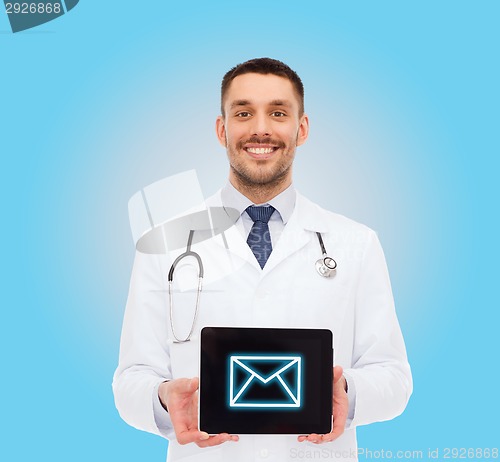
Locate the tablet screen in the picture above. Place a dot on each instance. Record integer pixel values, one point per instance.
(265, 380)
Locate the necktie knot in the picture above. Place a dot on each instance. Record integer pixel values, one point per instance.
(260, 213)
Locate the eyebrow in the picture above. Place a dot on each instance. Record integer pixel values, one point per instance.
(274, 102)
(280, 102)
(240, 102)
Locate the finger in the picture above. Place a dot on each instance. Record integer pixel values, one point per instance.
(333, 435)
(337, 374)
(312, 438)
(339, 421)
(184, 385)
(337, 430)
(191, 436)
(216, 440)
(319, 439)
(339, 389)
(194, 384)
(187, 386)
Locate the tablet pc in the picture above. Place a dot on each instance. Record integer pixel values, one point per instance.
(265, 380)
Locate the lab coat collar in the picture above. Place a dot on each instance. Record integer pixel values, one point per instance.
(284, 202)
(310, 216)
(307, 218)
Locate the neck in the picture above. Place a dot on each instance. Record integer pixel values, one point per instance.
(260, 193)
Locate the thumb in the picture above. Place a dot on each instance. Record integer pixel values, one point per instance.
(337, 373)
(183, 386)
(193, 384)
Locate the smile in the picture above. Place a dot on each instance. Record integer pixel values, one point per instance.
(261, 152)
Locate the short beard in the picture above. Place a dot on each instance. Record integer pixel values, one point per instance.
(261, 184)
(245, 177)
(260, 190)
(247, 180)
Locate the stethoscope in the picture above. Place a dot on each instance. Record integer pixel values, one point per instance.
(326, 266)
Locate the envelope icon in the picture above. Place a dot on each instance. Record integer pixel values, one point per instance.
(265, 381)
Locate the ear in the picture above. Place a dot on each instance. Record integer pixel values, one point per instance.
(303, 131)
(220, 130)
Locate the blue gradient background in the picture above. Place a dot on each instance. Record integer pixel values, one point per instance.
(403, 101)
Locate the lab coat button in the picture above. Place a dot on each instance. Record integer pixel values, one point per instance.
(264, 453)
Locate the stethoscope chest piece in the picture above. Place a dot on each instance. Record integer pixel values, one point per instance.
(326, 266)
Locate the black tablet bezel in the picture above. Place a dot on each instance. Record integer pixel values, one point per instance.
(315, 347)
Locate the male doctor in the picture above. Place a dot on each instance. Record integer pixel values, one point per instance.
(273, 283)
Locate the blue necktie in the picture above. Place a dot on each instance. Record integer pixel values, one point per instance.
(259, 238)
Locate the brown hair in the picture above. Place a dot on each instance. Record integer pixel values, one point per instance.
(264, 66)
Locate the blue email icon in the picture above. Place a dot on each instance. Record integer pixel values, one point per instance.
(265, 381)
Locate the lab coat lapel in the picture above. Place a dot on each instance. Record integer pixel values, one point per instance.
(238, 246)
(236, 243)
(292, 239)
(305, 221)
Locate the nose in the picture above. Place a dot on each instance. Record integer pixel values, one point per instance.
(261, 125)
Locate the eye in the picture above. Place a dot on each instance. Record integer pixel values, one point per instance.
(243, 114)
(278, 114)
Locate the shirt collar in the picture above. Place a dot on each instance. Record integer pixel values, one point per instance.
(284, 202)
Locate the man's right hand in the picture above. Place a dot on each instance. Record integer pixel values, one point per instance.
(180, 397)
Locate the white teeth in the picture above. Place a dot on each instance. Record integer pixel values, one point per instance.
(260, 150)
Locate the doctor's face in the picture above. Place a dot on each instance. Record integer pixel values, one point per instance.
(261, 129)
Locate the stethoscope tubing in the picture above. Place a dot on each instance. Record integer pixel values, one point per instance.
(187, 253)
(325, 266)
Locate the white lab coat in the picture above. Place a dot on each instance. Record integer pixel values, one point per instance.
(356, 305)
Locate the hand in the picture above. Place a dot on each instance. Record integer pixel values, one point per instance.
(180, 397)
(340, 410)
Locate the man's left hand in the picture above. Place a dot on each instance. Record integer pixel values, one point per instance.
(340, 410)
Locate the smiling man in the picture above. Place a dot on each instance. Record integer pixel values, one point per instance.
(278, 237)
(261, 125)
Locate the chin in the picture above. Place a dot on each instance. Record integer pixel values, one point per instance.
(262, 178)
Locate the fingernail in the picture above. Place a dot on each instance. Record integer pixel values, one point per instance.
(204, 436)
